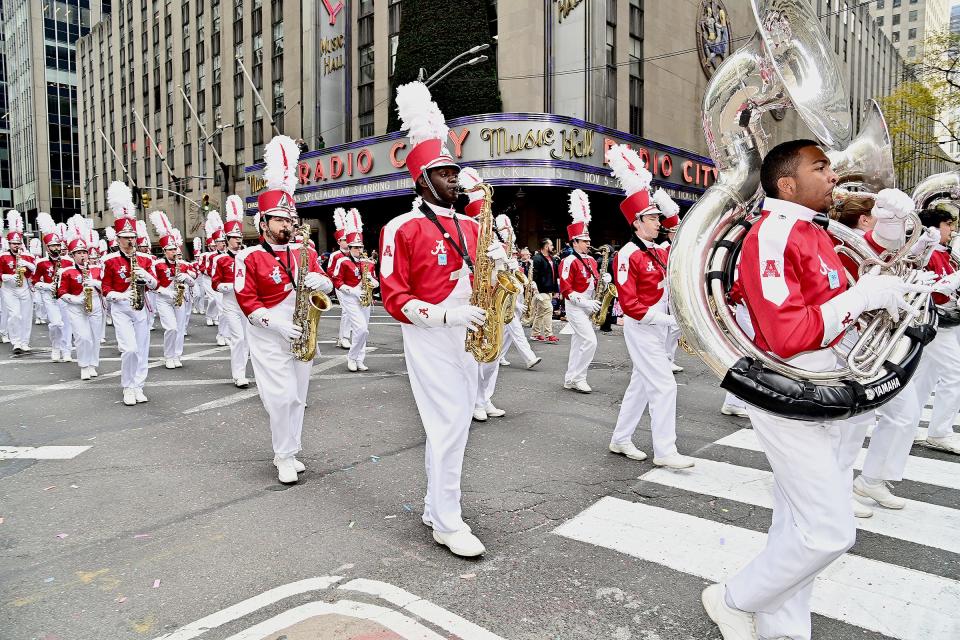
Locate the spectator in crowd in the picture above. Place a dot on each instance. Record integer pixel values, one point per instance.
(545, 271)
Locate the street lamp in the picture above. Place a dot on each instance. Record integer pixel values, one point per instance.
(469, 63)
(437, 77)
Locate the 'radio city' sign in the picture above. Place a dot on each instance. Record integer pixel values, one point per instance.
(568, 148)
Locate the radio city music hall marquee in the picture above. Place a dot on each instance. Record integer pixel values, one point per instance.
(520, 149)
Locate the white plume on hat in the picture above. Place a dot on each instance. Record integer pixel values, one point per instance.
(214, 222)
(61, 230)
(503, 221)
(161, 223)
(178, 237)
(665, 203)
(197, 245)
(102, 246)
(120, 200)
(469, 178)
(234, 208)
(353, 223)
(35, 247)
(142, 230)
(76, 228)
(14, 221)
(339, 218)
(419, 114)
(111, 234)
(628, 169)
(45, 223)
(93, 235)
(579, 206)
(281, 156)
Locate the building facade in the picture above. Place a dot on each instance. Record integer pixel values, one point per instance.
(39, 46)
(908, 22)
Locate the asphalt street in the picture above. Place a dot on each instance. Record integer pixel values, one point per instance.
(168, 520)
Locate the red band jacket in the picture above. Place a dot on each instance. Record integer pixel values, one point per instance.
(577, 277)
(260, 279)
(641, 279)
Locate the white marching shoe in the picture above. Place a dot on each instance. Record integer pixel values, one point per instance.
(534, 362)
(241, 383)
(675, 367)
(674, 461)
(65, 356)
(84, 373)
(580, 386)
(734, 624)
(170, 363)
(286, 470)
(493, 412)
(129, 396)
(176, 361)
(93, 372)
(950, 443)
(351, 364)
(879, 493)
(429, 522)
(628, 449)
(298, 466)
(504, 362)
(26, 348)
(138, 393)
(343, 343)
(461, 543)
(731, 410)
(861, 510)
(54, 355)
(221, 342)
(4, 338)
(479, 415)
(209, 322)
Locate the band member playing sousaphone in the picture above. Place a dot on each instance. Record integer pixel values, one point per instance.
(640, 269)
(267, 277)
(428, 256)
(80, 290)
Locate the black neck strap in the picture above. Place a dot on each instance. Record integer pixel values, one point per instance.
(460, 246)
(266, 247)
(637, 240)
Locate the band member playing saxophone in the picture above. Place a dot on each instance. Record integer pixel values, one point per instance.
(174, 277)
(127, 276)
(222, 276)
(80, 291)
(349, 274)
(340, 236)
(266, 279)
(16, 268)
(45, 280)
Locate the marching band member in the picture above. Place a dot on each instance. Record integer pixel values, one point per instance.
(75, 281)
(800, 307)
(732, 405)
(427, 258)
(173, 275)
(4, 339)
(513, 334)
(214, 229)
(347, 278)
(44, 284)
(339, 220)
(146, 248)
(132, 326)
(16, 296)
(98, 249)
(199, 293)
(641, 279)
(111, 236)
(35, 249)
(222, 280)
(578, 280)
(265, 282)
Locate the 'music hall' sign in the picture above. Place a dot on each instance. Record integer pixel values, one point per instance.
(520, 149)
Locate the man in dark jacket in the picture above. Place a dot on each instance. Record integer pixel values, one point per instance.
(545, 268)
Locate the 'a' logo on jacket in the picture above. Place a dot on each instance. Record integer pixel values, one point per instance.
(771, 269)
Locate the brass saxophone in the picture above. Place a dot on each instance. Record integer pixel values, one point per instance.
(56, 278)
(366, 299)
(87, 289)
(496, 298)
(19, 270)
(181, 289)
(529, 290)
(308, 305)
(604, 294)
(138, 288)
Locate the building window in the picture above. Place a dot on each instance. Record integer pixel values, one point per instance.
(912, 51)
(880, 4)
(611, 63)
(394, 26)
(895, 36)
(636, 67)
(880, 21)
(366, 69)
(913, 16)
(896, 19)
(912, 34)
(896, 3)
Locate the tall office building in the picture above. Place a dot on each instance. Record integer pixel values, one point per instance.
(908, 22)
(6, 193)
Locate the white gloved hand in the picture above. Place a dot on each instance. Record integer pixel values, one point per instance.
(347, 292)
(185, 278)
(9, 277)
(43, 286)
(871, 292)
(317, 282)
(225, 287)
(659, 318)
(496, 252)
(521, 308)
(282, 327)
(166, 292)
(116, 296)
(143, 274)
(929, 238)
(893, 203)
(513, 264)
(70, 298)
(467, 316)
(948, 284)
(606, 278)
(587, 304)
(374, 282)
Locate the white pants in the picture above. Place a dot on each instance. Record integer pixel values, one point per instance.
(489, 372)
(133, 340)
(812, 524)
(583, 344)
(214, 301)
(235, 326)
(19, 306)
(358, 326)
(67, 333)
(282, 382)
(651, 383)
(344, 330)
(897, 420)
(151, 308)
(742, 316)
(55, 320)
(3, 315)
(443, 378)
(513, 335)
(39, 310)
(199, 296)
(173, 320)
(86, 332)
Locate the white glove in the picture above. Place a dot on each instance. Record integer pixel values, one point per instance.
(282, 327)
(891, 209)
(143, 274)
(317, 282)
(70, 298)
(587, 304)
(948, 284)
(349, 292)
(116, 296)
(871, 292)
(496, 252)
(185, 278)
(225, 288)
(43, 286)
(9, 277)
(166, 292)
(660, 319)
(466, 316)
(513, 264)
(431, 316)
(606, 278)
(521, 308)
(374, 282)
(929, 237)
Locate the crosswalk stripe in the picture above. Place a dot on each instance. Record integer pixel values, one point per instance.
(927, 524)
(40, 453)
(936, 472)
(895, 601)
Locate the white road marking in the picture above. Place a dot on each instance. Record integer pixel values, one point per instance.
(40, 453)
(919, 522)
(926, 470)
(897, 602)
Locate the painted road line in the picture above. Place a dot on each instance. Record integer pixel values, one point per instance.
(927, 524)
(897, 602)
(927, 470)
(248, 606)
(40, 453)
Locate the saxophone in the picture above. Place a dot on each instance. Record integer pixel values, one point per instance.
(19, 270)
(529, 290)
(367, 298)
(604, 294)
(498, 297)
(181, 289)
(56, 278)
(138, 288)
(308, 305)
(87, 289)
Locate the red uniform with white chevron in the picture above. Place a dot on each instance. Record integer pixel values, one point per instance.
(260, 281)
(641, 279)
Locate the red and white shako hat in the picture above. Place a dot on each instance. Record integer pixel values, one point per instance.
(468, 179)
(93, 239)
(77, 234)
(197, 245)
(120, 201)
(339, 222)
(214, 227)
(14, 227)
(353, 228)
(580, 214)
(634, 178)
(426, 128)
(36, 247)
(111, 235)
(143, 238)
(280, 156)
(233, 227)
(48, 230)
(165, 231)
